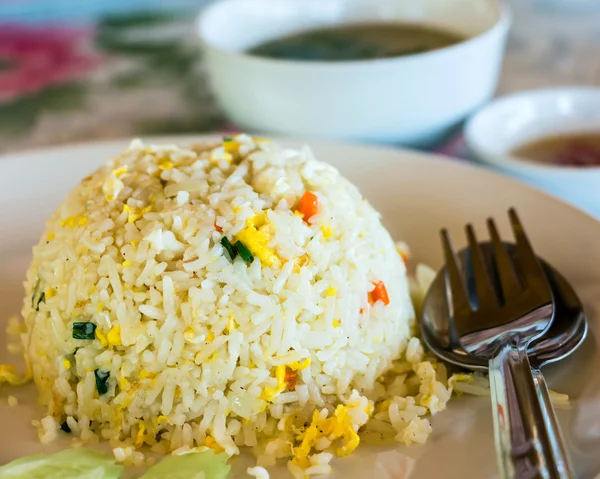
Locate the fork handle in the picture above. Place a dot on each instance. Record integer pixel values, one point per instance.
(527, 446)
(561, 457)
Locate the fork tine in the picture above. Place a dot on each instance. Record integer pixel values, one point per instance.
(509, 281)
(486, 296)
(528, 262)
(457, 298)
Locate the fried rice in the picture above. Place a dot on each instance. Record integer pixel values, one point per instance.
(225, 296)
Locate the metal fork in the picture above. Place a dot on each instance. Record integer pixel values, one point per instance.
(495, 315)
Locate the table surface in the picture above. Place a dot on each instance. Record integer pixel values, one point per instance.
(71, 74)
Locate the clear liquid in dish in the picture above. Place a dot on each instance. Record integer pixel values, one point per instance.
(574, 150)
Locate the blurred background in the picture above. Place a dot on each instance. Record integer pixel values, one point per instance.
(73, 71)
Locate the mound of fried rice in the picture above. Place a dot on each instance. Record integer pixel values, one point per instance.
(182, 298)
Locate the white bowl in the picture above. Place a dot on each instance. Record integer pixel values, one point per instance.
(516, 119)
(414, 100)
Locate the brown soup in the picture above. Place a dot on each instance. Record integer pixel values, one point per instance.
(575, 150)
(358, 42)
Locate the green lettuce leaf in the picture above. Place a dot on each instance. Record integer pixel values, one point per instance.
(194, 465)
(68, 464)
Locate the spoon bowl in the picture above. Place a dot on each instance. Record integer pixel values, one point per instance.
(565, 335)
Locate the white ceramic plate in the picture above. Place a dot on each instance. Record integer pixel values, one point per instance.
(417, 195)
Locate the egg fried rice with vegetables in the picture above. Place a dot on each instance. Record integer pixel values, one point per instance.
(222, 296)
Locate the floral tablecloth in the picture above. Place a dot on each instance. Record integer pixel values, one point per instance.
(79, 71)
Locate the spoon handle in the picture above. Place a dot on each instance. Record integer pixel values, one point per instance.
(561, 457)
(523, 437)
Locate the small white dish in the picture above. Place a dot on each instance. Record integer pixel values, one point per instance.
(412, 100)
(513, 120)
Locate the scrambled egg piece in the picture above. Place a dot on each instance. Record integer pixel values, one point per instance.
(114, 336)
(8, 374)
(134, 214)
(100, 336)
(120, 171)
(298, 365)
(460, 377)
(139, 438)
(221, 153)
(331, 291)
(124, 384)
(256, 237)
(339, 426)
(269, 394)
(162, 418)
(301, 261)
(146, 374)
(383, 406)
(212, 444)
(284, 380)
(327, 231)
(118, 415)
(165, 164)
(112, 185)
(430, 402)
(231, 146)
(72, 221)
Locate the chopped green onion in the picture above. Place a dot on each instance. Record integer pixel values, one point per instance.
(229, 247)
(227, 138)
(41, 300)
(101, 381)
(244, 252)
(65, 427)
(84, 330)
(37, 298)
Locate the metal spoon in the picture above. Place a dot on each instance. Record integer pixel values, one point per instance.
(565, 335)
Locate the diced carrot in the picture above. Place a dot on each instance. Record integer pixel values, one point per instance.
(218, 228)
(308, 205)
(290, 378)
(379, 293)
